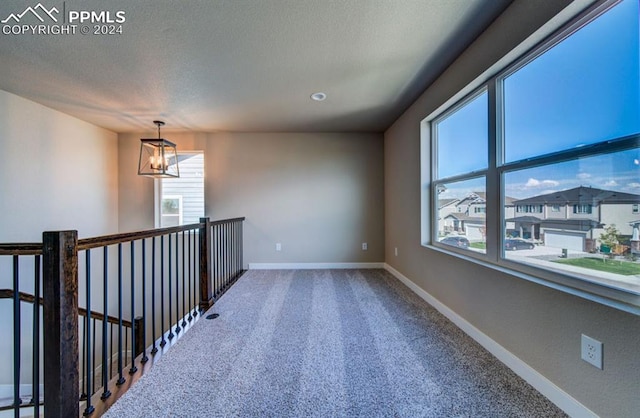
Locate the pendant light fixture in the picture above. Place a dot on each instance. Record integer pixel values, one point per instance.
(158, 157)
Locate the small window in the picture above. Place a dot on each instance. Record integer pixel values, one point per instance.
(634, 208)
(181, 200)
(171, 211)
(529, 208)
(582, 208)
(555, 208)
(481, 209)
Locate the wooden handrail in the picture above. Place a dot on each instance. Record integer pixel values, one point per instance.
(31, 248)
(29, 298)
(102, 241)
(35, 248)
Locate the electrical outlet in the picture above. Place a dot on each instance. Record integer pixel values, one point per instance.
(591, 351)
(396, 251)
(364, 246)
(278, 247)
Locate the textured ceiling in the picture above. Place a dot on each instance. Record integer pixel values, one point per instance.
(242, 65)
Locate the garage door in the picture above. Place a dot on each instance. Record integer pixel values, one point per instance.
(568, 240)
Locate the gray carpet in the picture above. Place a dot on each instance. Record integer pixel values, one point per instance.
(328, 343)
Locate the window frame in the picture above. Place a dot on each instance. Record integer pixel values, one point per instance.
(436, 182)
(611, 295)
(158, 190)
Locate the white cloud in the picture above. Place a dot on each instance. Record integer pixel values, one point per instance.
(611, 183)
(583, 176)
(541, 183)
(634, 185)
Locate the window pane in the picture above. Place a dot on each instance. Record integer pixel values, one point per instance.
(582, 91)
(461, 214)
(578, 216)
(462, 139)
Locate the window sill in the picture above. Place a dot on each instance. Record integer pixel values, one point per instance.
(627, 301)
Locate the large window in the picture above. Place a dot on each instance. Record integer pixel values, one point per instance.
(539, 170)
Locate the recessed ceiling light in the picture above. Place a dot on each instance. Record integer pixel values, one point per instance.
(319, 96)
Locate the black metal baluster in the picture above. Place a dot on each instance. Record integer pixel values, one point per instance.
(93, 354)
(83, 395)
(133, 368)
(35, 399)
(153, 295)
(121, 378)
(89, 376)
(225, 254)
(105, 323)
(110, 352)
(177, 272)
(218, 248)
(232, 248)
(190, 276)
(241, 246)
(170, 336)
(184, 288)
(196, 274)
(163, 341)
(144, 358)
(177, 285)
(229, 252)
(235, 249)
(223, 251)
(16, 338)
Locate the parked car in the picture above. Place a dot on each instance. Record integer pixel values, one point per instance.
(460, 242)
(517, 244)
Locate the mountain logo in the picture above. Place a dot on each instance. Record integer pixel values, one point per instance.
(34, 11)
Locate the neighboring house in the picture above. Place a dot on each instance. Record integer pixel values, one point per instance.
(467, 216)
(574, 218)
(445, 208)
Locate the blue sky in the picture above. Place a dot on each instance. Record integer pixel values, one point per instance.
(582, 91)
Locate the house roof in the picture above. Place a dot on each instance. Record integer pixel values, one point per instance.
(570, 224)
(446, 202)
(581, 194)
(474, 197)
(466, 218)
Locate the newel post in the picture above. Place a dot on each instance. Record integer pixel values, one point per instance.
(60, 320)
(206, 289)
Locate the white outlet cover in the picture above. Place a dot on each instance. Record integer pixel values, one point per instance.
(591, 351)
(278, 247)
(364, 246)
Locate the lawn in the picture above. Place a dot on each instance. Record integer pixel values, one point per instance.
(479, 245)
(611, 266)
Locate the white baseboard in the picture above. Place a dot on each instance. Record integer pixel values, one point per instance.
(562, 399)
(314, 266)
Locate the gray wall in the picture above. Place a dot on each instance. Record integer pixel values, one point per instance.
(539, 325)
(320, 195)
(56, 173)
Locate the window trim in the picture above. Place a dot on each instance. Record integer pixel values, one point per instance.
(628, 299)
